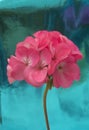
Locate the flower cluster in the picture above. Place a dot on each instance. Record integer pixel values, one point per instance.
(45, 55)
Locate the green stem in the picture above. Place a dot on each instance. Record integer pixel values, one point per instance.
(48, 86)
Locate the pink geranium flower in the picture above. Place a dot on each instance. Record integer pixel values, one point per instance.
(39, 57)
(61, 52)
(18, 64)
(61, 48)
(37, 75)
(65, 73)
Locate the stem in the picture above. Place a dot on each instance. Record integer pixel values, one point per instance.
(48, 86)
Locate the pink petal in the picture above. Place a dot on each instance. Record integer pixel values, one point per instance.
(51, 67)
(45, 57)
(55, 34)
(62, 52)
(12, 61)
(56, 37)
(33, 56)
(29, 42)
(17, 68)
(65, 76)
(61, 80)
(72, 70)
(18, 71)
(31, 77)
(19, 44)
(42, 38)
(27, 55)
(40, 75)
(21, 52)
(78, 55)
(9, 72)
(41, 34)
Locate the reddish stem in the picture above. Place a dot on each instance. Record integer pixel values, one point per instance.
(48, 86)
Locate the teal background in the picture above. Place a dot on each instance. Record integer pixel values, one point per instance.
(21, 106)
